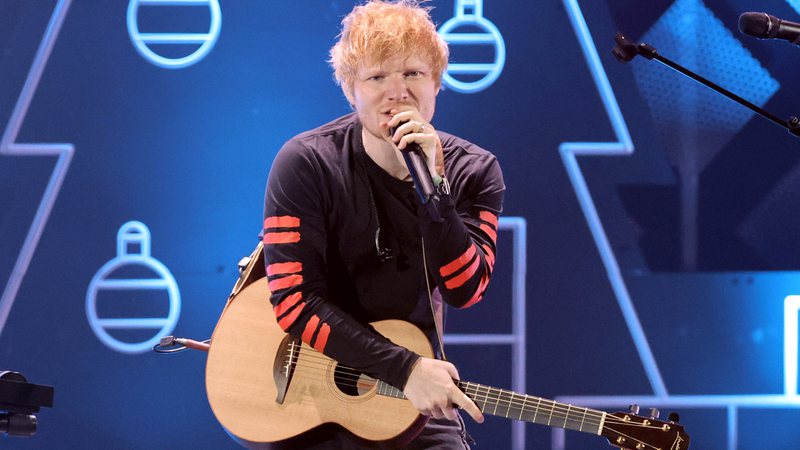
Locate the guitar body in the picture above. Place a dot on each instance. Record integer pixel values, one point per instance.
(242, 389)
(265, 386)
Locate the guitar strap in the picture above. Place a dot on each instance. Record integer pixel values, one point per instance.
(436, 309)
(251, 268)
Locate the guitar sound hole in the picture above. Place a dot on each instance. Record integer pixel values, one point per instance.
(350, 382)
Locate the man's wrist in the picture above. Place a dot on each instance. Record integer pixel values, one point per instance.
(442, 185)
(411, 369)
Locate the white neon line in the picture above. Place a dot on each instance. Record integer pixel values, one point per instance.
(495, 339)
(132, 323)
(569, 151)
(791, 306)
(37, 149)
(174, 38)
(476, 5)
(687, 401)
(9, 147)
(469, 38)
(471, 67)
(519, 322)
(174, 2)
(517, 340)
(557, 439)
(206, 40)
(794, 4)
(733, 427)
(133, 283)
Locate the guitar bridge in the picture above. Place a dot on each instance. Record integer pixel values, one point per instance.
(284, 365)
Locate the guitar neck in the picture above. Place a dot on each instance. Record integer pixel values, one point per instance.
(509, 404)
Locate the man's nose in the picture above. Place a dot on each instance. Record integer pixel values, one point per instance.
(397, 88)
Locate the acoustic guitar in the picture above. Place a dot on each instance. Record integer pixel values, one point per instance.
(266, 386)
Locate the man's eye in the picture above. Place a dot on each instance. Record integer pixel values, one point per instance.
(375, 78)
(414, 74)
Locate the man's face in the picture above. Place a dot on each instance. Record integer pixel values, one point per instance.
(400, 81)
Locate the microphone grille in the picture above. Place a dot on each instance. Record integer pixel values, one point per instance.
(755, 24)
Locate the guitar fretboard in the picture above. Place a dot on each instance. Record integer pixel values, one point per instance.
(501, 402)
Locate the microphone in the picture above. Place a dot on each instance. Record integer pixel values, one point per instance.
(420, 175)
(765, 26)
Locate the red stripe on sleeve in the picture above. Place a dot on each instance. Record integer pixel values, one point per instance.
(281, 268)
(458, 263)
(289, 319)
(462, 278)
(287, 304)
(490, 231)
(489, 255)
(311, 327)
(478, 292)
(322, 337)
(284, 238)
(281, 222)
(489, 218)
(285, 282)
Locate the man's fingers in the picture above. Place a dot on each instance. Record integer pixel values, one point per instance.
(471, 408)
(450, 413)
(447, 412)
(435, 413)
(431, 389)
(451, 369)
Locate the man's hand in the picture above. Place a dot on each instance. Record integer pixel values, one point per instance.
(415, 129)
(431, 389)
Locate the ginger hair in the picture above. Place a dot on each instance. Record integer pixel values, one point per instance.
(379, 30)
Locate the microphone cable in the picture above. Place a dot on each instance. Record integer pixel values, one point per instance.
(172, 344)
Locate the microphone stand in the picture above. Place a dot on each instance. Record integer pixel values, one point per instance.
(625, 51)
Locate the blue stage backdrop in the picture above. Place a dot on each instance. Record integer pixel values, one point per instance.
(662, 228)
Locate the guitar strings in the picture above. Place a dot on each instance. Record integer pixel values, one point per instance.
(353, 378)
(321, 364)
(557, 412)
(352, 375)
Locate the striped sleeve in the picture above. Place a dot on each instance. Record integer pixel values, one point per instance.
(295, 242)
(464, 244)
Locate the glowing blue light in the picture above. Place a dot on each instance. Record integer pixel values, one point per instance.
(794, 4)
(469, 13)
(692, 120)
(206, 40)
(8, 146)
(791, 307)
(569, 152)
(133, 235)
(624, 146)
(517, 339)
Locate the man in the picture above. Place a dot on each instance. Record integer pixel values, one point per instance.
(347, 241)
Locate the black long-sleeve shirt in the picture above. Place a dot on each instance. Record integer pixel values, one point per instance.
(326, 199)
